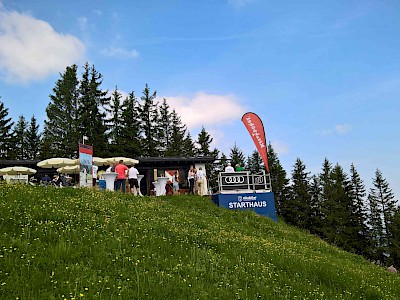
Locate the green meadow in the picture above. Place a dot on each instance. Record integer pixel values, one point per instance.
(88, 244)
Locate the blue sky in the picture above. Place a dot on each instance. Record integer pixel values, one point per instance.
(324, 76)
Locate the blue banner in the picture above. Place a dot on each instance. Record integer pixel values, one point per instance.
(261, 203)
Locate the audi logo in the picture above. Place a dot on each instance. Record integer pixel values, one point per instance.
(234, 179)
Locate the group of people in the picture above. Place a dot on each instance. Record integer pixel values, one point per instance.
(58, 180)
(230, 169)
(197, 181)
(124, 172)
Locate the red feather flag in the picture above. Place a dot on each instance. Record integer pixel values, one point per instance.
(255, 127)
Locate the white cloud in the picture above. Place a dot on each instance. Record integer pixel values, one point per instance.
(280, 147)
(30, 49)
(120, 52)
(82, 21)
(207, 109)
(342, 128)
(338, 129)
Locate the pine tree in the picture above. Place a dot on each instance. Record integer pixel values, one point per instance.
(130, 135)
(164, 127)
(337, 208)
(188, 144)
(316, 216)
(19, 136)
(359, 240)
(394, 239)
(115, 122)
(218, 167)
(176, 145)
(237, 156)
(5, 132)
(213, 170)
(61, 126)
(383, 206)
(254, 163)
(279, 181)
(326, 185)
(221, 164)
(149, 123)
(203, 142)
(92, 112)
(298, 204)
(33, 140)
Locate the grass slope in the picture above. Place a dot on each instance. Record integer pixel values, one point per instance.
(81, 243)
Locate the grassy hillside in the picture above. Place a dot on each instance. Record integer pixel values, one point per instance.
(80, 243)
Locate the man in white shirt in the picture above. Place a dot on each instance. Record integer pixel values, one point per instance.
(94, 174)
(201, 178)
(133, 180)
(229, 168)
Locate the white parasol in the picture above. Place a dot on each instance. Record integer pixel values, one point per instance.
(98, 161)
(126, 160)
(69, 169)
(17, 171)
(56, 162)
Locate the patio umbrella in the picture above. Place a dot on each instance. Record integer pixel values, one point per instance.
(56, 162)
(126, 160)
(98, 161)
(69, 169)
(17, 170)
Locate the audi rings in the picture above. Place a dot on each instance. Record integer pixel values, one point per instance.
(234, 179)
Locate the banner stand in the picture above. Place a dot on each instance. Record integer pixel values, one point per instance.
(85, 165)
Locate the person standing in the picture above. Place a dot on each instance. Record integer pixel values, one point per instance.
(229, 168)
(175, 182)
(238, 168)
(94, 174)
(133, 180)
(191, 176)
(122, 171)
(201, 178)
(111, 168)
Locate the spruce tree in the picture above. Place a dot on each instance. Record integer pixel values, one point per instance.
(316, 216)
(92, 110)
(218, 167)
(237, 156)
(164, 127)
(33, 140)
(360, 240)
(213, 171)
(5, 132)
(394, 239)
(61, 126)
(203, 143)
(130, 145)
(298, 204)
(254, 163)
(176, 146)
(326, 185)
(279, 181)
(337, 208)
(114, 122)
(383, 206)
(20, 141)
(149, 122)
(188, 145)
